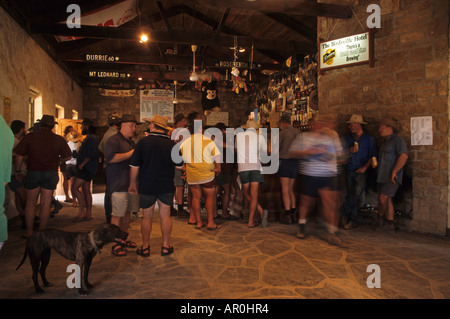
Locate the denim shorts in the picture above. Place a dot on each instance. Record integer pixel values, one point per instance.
(47, 180)
(146, 201)
(251, 177)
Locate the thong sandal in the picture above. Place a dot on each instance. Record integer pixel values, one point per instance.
(168, 252)
(119, 252)
(143, 252)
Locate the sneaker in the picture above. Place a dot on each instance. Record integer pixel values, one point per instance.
(349, 225)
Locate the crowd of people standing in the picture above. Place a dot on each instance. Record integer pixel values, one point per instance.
(154, 170)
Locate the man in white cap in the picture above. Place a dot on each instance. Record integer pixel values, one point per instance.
(361, 148)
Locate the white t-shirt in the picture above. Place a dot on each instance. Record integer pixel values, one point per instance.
(249, 145)
(73, 147)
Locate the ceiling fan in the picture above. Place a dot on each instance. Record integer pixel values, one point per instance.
(194, 76)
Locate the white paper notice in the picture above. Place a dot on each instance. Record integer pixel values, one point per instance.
(422, 130)
(156, 102)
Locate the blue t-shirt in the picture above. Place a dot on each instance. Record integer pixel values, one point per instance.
(367, 149)
(89, 149)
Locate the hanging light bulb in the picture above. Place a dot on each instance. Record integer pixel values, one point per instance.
(143, 38)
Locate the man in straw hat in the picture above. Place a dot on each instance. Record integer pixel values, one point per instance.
(393, 155)
(44, 150)
(249, 145)
(151, 176)
(361, 148)
(118, 151)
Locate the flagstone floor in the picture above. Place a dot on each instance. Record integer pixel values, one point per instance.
(236, 262)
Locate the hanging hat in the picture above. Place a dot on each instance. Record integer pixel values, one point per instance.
(128, 118)
(73, 136)
(48, 120)
(160, 121)
(356, 119)
(251, 124)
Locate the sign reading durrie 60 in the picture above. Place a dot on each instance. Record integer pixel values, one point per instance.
(351, 50)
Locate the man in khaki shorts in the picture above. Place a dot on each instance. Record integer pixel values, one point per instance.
(118, 150)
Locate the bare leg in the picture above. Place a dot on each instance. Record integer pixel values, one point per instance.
(166, 223)
(146, 226)
(30, 209)
(86, 187)
(46, 199)
(210, 203)
(195, 213)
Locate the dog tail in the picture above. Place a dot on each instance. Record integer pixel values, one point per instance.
(23, 259)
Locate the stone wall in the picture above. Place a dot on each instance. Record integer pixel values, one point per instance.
(97, 107)
(410, 78)
(24, 65)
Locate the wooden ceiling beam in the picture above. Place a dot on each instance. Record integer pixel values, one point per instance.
(177, 61)
(198, 37)
(291, 7)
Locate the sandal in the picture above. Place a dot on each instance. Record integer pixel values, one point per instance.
(214, 228)
(120, 252)
(169, 250)
(143, 252)
(128, 243)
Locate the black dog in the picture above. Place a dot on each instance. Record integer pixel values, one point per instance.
(75, 246)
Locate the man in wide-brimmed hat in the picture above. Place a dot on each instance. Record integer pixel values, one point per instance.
(249, 168)
(361, 148)
(151, 176)
(118, 151)
(44, 150)
(392, 158)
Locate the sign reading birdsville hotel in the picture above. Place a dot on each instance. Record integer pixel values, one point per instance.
(352, 50)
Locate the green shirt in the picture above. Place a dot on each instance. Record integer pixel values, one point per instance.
(5, 173)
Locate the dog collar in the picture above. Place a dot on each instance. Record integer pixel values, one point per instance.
(91, 239)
